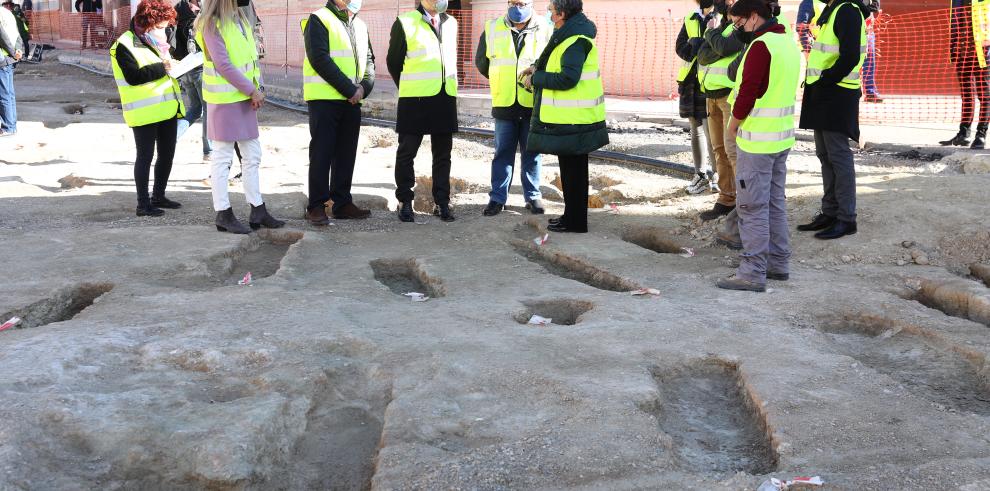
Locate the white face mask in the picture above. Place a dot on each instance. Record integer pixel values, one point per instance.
(354, 6)
(441, 6)
(159, 35)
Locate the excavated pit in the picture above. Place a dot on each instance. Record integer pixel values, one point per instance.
(948, 376)
(980, 272)
(562, 311)
(572, 268)
(405, 275)
(653, 238)
(259, 253)
(958, 298)
(61, 305)
(714, 419)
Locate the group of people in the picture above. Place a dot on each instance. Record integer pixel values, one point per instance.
(14, 38)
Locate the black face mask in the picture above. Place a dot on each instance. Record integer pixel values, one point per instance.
(707, 4)
(243, 3)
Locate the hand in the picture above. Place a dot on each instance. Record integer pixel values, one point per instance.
(528, 71)
(528, 81)
(257, 99)
(18, 55)
(168, 65)
(712, 23)
(358, 95)
(733, 127)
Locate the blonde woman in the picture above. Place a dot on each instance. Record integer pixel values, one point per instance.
(233, 94)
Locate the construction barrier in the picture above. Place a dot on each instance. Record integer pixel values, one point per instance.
(912, 69)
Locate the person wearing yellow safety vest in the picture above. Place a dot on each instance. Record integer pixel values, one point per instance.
(508, 45)
(763, 105)
(338, 73)
(422, 60)
(692, 101)
(569, 107)
(830, 107)
(969, 52)
(233, 93)
(11, 51)
(150, 99)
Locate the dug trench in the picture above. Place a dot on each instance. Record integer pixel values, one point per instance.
(259, 253)
(652, 238)
(407, 275)
(561, 311)
(713, 418)
(965, 299)
(945, 374)
(572, 268)
(61, 305)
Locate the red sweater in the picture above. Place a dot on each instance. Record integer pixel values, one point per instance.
(756, 74)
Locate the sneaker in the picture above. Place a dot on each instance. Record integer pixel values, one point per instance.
(698, 185)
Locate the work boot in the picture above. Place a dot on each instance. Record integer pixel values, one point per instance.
(961, 139)
(536, 207)
(493, 208)
(260, 218)
(820, 222)
(406, 212)
(351, 212)
(715, 212)
(736, 283)
(771, 275)
(317, 216)
(227, 222)
(443, 211)
(723, 239)
(979, 142)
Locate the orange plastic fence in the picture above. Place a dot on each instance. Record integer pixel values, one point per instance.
(913, 71)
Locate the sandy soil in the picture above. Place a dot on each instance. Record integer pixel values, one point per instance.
(143, 365)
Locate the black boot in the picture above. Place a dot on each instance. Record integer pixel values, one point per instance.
(444, 212)
(961, 139)
(979, 142)
(406, 212)
(227, 222)
(260, 218)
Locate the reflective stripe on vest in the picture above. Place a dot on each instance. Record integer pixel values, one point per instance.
(825, 51)
(582, 104)
(716, 76)
(693, 27)
(769, 127)
(243, 53)
(431, 61)
(351, 59)
(148, 103)
(503, 64)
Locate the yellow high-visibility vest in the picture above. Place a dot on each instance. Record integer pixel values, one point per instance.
(352, 60)
(504, 65)
(431, 61)
(825, 52)
(243, 52)
(582, 104)
(980, 17)
(147, 103)
(769, 127)
(716, 76)
(693, 28)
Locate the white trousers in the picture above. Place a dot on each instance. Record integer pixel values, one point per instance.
(223, 155)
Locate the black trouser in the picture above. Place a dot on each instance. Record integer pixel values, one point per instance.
(574, 179)
(147, 137)
(334, 127)
(974, 83)
(838, 175)
(405, 174)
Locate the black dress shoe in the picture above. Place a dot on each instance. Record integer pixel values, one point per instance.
(839, 229)
(821, 222)
(149, 211)
(166, 203)
(493, 209)
(406, 212)
(443, 211)
(554, 221)
(561, 228)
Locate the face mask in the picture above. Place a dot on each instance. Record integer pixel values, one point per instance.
(441, 6)
(159, 35)
(243, 3)
(707, 4)
(520, 14)
(354, 6)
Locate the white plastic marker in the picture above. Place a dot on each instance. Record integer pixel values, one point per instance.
(539, 321)
(541, 240)
(688, 252)
(774, 484)
(10, 323)
(613, 208)
(646, 291)
(246, 280)
(416, 296)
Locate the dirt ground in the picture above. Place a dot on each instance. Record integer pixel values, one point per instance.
(142, 364)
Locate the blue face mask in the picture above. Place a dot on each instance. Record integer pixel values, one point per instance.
(354, 6)
(441, 6)
(519, 14)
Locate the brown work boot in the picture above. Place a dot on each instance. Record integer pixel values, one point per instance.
(351, 212)
(317, 216)
(736, 283)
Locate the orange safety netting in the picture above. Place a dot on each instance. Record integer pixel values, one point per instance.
(913, 70)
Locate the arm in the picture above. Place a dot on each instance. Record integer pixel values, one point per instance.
(134, 75)
(481, 56)
(571, 64)
(317, 41)
(221, 60)
(6, 43)
(681, 46)
(725, 46)
(396, 56)
(368, 82)
(848, 22)
(755, 81)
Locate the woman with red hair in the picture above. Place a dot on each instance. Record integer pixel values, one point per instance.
(150, 99)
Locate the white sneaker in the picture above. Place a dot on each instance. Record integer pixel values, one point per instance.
(713, 182)
(698, 185)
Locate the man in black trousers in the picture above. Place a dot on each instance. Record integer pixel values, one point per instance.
(339, 72)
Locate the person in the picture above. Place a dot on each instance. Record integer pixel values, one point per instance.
(718, 58)
(90, 20)
(807, 11)
(763, 126)
(422, 60)
(831, 108)
(23, 28)
(11, 51)
(968, 52)
(692, 101)
(870, 64)
(233, 93)
(192, 81)
(569, 107)
(338, 73)
(508, 45)
(150, 101)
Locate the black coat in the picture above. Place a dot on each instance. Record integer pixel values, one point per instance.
(419, 115)
(827, 106)
(692, 99)
(184, 30)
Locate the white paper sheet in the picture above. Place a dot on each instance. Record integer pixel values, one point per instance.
(186, 65)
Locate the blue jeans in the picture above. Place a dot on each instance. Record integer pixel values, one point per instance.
(8, 106)
(510, 134)
(192, 90)
(870, 66)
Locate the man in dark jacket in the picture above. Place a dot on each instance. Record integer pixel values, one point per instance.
(90, 19)
(831, 108)
(421, 111)
(969, 31)
(335, 123)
